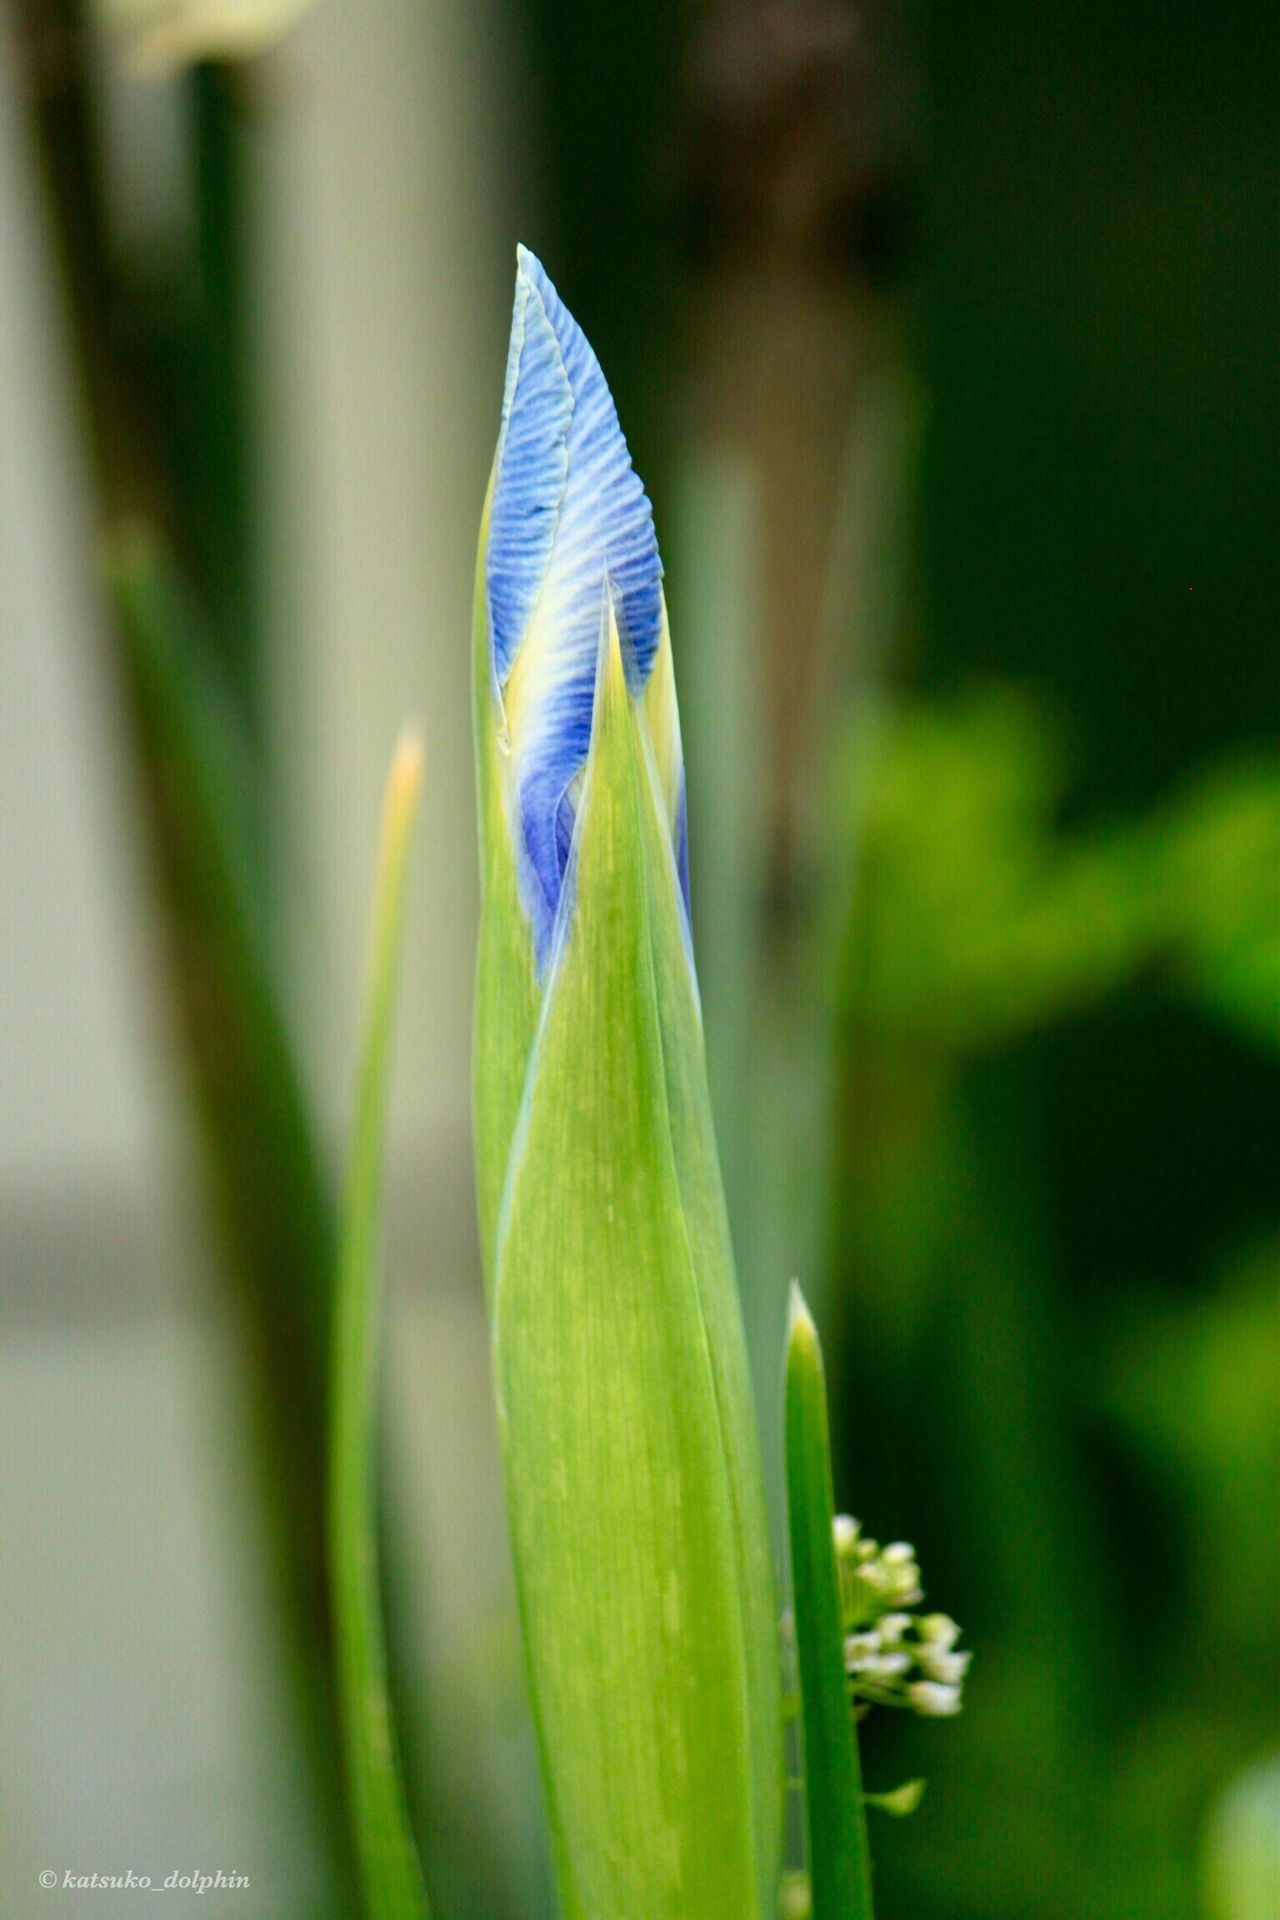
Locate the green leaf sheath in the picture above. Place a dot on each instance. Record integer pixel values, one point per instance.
(390, 1873)
(707, 1224)
(619, 1494)
(839, 1860)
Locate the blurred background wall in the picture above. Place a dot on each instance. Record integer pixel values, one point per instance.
(145, 1716)
(142, 1707)
(945, 341)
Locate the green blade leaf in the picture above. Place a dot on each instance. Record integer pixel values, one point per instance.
(839, 1859)
(390, 1872)
(621, 1511)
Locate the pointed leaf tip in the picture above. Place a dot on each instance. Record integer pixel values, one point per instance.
(405, 778)
(612, 667)
(800, 1323)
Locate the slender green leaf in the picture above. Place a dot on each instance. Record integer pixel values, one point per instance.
(839, 1860)
(392, 1877)
(276, 1208)
(273, 1205)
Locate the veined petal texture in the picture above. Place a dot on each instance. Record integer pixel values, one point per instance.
(569, 521)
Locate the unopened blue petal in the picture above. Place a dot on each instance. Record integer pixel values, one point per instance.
(532, 463)
(606, 522)
(568, 515)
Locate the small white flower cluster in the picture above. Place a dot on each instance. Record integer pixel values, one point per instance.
(874, 1579)
(894, 1658)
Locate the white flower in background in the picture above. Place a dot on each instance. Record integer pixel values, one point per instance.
(156, 36)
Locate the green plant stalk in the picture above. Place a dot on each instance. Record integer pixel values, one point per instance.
(272, 1203)
(390, 1872)
(275, 1207)
(839, 1858)
(220, 445)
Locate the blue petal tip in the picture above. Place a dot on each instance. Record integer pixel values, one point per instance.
(568, 512)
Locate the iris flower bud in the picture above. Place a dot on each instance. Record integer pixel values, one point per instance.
(634, 1488)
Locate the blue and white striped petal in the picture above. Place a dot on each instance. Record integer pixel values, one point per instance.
(570, 528)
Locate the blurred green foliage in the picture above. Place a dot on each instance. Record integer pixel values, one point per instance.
(1092, 1479)
(976, 920)
(1054, 1221)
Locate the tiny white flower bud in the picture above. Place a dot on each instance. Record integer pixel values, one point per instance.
(949, 1668)
(891, 1666)
(846, 1534)
(892, 1626)
(940, 1630)
(899, 1554)
(933, 1700)
(861, 1651)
